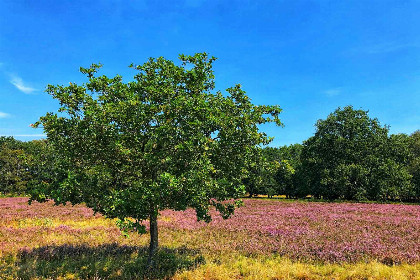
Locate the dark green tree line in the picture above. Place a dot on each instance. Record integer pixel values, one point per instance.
(351, 157)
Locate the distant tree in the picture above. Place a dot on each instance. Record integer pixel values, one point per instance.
(292, 185)
(10, 142)
(348, 181)
(308, 174)
(283, 163)
(162, 141)
(260, 176)
(414, 164)
(45, 167)
(391, 181)
(17, 164)
(283, 174)
(292, 154)
(349, 157)
(13, 169)
(272, 153)
(415, 143)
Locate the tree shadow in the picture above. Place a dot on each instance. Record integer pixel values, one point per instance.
(108, 261)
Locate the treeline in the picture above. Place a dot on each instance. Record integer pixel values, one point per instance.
(350, 157)
(19, 164)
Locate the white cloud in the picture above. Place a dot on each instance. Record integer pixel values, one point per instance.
(4, 115)
(20, 85)
(333, 91)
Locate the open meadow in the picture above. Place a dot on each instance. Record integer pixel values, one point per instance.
(265, 239)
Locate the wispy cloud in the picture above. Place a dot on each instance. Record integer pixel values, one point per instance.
(4, 115)
(20, 85)
(333, 91)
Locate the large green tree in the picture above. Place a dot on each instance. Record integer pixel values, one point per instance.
(351, 157)
(165, 140)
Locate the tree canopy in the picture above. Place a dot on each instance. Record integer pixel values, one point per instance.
(351, 156)
(165, 140)
(414, 164)
(16, 159)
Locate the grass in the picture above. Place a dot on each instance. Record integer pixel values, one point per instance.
(283, 268)
(266, 239)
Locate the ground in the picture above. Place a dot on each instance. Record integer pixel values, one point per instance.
(265, 239)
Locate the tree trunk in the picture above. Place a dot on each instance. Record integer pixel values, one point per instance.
(153, 238)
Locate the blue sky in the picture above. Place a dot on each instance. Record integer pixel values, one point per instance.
(309, 57)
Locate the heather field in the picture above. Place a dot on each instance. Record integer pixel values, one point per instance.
(266, 239)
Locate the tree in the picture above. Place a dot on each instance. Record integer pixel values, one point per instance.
(351, 156)
(44, 167)
(284, 173)
(162, 141)
(392, 181)
(414, 164)
(254, 181)
(258, 180)
(14, 163)
(283, 162)
(11, 142)
(14, 174)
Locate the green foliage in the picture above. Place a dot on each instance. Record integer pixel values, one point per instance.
(257, 180)
(284, 177)
(12, 168)
(290, 153)
(351, 157)
(268, 174)
(10, 142)
(273, 173)
(162, 141)
(348, 181)
(15, 160)
(414, 163)
(392, 181)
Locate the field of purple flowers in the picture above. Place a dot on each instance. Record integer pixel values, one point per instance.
(327, 232)
(301, 231)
